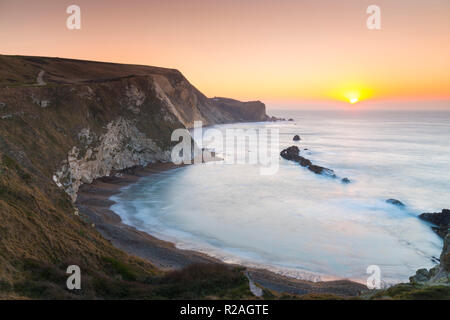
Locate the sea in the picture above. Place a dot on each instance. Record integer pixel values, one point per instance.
(294, 222)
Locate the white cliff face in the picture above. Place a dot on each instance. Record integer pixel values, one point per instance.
(160, 93)
(135, 98)
(121, 147)
(159, 99)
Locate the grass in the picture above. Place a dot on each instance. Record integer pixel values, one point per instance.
(118, 267)
(40, 235)
(202, 281)
(12, 165)
(8, 162)
(406, 291)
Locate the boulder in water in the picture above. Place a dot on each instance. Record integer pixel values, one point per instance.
(396, 202)
(322, 170)
(293, 154)
(296, 138)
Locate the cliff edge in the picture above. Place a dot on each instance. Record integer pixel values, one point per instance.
(66, 122)
(84, 119)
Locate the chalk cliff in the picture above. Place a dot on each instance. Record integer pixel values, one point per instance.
(66, 122)
(98, 117)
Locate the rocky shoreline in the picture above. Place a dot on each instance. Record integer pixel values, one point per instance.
(441, 220)
(438, 275)
(93, 203)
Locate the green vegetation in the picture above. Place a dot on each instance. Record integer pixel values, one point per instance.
(202, 281)
(406, 291)
(45, 281)
(34, 260)
(8, 162)
(12, 165)
(126, 271)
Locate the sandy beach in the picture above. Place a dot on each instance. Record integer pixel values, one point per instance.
(94, 202)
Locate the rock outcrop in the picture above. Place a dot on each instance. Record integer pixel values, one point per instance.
(445, 256)
(439, 274)
(395, 202)
(121, 146)
(243, 111)
(293, 154)
(440, 219)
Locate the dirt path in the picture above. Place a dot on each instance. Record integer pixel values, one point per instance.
(40, 79)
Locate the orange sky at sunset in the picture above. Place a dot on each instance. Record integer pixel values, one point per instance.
(284, 50)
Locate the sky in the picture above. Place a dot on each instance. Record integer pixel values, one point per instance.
(284, 52)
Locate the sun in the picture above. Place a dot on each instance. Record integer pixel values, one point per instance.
(353, 96)
(352, 93)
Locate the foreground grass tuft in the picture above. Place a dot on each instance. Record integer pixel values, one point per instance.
(406, 291)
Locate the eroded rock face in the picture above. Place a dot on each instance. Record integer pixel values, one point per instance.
(421, 276)
(445, 256)
(135, 98)
(440, 273)
(440, 219)
(244, 111)
(122, 146)
(150, 108)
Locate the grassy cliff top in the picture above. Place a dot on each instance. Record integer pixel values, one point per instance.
(24, 70)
